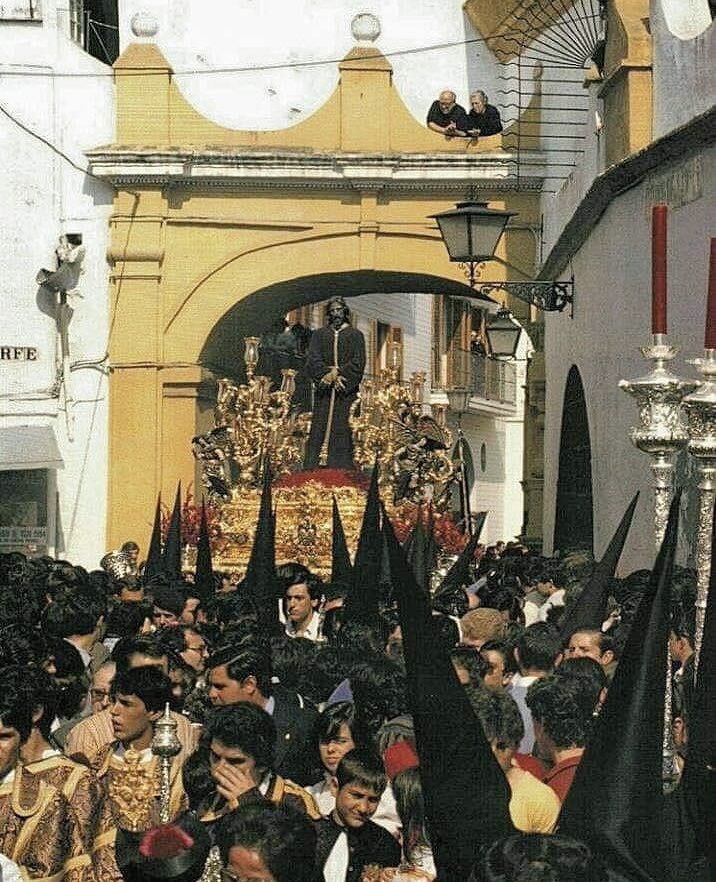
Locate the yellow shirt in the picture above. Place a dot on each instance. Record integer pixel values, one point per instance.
(534, 807)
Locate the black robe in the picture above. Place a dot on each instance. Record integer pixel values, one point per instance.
(351, 365)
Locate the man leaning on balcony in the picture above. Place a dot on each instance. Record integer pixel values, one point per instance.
(447, 117)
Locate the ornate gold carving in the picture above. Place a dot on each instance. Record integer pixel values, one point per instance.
(411, 447)
(133, 787)
(303, 523)
(387, 422)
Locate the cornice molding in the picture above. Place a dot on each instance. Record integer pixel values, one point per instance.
(165, 167)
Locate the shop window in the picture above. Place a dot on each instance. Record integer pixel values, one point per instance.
(23, 511)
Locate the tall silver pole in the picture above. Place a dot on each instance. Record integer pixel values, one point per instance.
(700, 407)
(661, 433)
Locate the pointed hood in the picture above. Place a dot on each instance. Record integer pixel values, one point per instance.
(590, 608)
(419, 551)
(153, 564)
(459, 573)
(466, 793)
(341, 566)
(204, 576)
(615, 802)
(363, 600)
(450, 598)
(699, 780)
(171, 559)
(260, 578)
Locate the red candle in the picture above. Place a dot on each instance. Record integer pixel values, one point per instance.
(710, 339)
(658, 269)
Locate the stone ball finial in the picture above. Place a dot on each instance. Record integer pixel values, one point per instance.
(365, 28)
(144, 24)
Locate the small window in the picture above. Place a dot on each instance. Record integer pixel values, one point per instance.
(21, 10)
(483, 457)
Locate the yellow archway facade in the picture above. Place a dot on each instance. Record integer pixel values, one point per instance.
(206, 217)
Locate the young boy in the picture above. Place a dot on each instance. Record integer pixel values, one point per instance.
(347, 840)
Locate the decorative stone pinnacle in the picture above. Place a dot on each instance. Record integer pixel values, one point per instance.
(365, 28)
(144, 24)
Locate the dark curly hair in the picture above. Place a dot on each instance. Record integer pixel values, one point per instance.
(243, 726)
(558, 704)
(536, 857)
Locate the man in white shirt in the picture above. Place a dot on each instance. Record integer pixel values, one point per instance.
(301, 602)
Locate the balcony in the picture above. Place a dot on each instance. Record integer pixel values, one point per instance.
(493, 383)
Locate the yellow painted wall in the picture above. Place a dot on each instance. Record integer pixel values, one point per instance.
(183, 256)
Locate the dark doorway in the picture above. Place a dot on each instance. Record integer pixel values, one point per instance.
(573, 527)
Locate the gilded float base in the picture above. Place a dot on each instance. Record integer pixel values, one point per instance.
(304, 519)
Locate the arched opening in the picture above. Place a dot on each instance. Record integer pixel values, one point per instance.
(255, 313)
(574, 515)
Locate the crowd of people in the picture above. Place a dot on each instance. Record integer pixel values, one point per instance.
(364, 732)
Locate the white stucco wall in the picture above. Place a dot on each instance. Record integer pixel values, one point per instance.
(612, 318)
(684, 41)
(287, 39)
(41, 197)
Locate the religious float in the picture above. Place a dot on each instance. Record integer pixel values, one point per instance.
(256, 426)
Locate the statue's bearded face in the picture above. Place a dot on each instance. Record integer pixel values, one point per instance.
(337, 314)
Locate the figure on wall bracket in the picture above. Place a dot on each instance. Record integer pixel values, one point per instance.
(335, 363)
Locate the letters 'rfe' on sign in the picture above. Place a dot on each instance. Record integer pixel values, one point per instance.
(18, 353)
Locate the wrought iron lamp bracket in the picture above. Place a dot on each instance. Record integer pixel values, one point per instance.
(547, 296)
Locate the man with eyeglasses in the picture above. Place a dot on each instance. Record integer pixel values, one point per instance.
(101, 686)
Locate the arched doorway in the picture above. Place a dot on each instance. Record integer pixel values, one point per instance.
(574, 514)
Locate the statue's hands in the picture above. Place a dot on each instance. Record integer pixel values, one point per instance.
(329, 377)
(340, 383)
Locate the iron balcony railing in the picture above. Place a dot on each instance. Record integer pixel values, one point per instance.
(485, 377)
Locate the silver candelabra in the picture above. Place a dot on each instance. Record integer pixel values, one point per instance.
(700, 407)
(662, 433)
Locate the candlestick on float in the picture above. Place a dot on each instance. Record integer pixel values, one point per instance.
(700, 407)
(661, 432)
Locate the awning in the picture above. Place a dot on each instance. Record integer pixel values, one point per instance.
(29, 447)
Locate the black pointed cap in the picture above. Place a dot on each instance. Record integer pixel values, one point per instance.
(419, 550)
(615, 801)
(341, 566)
(459, 573)
(260, 578)
(699, 781)
(153, 564)
(466, 793)
(204, 575)
(590, 608)
(171, 559)
(364, 597)
(450, 597)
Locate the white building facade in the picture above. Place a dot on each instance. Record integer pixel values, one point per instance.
(57, 101)
(598, 228)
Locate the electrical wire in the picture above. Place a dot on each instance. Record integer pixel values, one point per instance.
(290, 65)
(55, 149)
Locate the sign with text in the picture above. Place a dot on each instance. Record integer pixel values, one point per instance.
(18, 353)
(23, 536)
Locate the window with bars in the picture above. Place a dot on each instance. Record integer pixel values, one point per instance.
(77, 22)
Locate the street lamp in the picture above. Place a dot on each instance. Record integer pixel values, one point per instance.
(459, 402)
(503, 334)
(471, 232)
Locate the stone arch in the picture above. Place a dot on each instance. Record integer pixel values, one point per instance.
(285, 270)
(574, 515)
